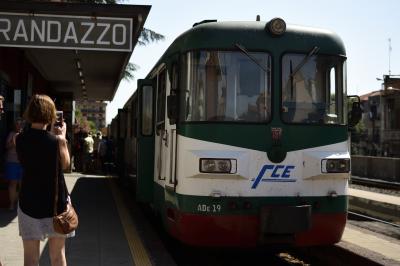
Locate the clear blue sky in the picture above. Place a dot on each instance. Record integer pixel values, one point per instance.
(364, 26)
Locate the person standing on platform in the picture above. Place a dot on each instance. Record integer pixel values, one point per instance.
(102, 151)
(1, 105)
(13, 170)
(37, 151)
(88, 153)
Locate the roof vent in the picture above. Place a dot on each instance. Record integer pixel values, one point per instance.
(204, 21)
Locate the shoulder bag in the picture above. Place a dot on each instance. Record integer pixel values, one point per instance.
(67, 221)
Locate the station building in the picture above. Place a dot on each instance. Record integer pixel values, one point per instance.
(69, 51)
(94, 111)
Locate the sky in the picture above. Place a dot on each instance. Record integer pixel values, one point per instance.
(364, 26)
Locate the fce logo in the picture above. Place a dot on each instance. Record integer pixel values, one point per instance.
(274, 173)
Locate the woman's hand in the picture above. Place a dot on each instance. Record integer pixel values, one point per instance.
(59, 130)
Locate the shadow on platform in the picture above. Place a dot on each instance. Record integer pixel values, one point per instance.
(100, 238)
(7, 216)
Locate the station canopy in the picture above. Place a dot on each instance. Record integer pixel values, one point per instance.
(78, 48)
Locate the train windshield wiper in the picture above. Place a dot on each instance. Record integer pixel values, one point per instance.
(304, 61)
(244, 50)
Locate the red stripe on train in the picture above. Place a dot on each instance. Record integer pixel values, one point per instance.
(243, 231)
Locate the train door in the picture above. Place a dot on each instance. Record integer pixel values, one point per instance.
(170, 129)
(165, 139)
(145, 141)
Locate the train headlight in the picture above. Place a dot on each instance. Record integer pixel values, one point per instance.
(277, 26)
(335, 165)
(216, 165)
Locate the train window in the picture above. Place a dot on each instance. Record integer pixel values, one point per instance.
(129, 122)
(147, 111)
(133, 116)
(122, 123)
(161, 94)
(175, 78)
(313, 89)
(226, 86)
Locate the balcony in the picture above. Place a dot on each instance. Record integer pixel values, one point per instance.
(391, 135)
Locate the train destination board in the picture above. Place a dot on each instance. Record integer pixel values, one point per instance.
(65, 32)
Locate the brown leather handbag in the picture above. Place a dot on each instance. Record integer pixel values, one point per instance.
(67, 221)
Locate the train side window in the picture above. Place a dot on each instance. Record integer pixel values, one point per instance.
(134, 117)
(161, 94)
(122, 113)
(332, 108)
(147, 112)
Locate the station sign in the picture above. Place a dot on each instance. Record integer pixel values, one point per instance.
(65, 32)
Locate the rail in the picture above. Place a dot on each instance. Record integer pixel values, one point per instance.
(375, 183)
(373, 219)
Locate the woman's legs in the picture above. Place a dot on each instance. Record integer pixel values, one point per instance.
(31, 252)
(13, 193)
(57, 251)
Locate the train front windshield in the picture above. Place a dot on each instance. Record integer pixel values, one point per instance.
(226, 86)
(313, 89)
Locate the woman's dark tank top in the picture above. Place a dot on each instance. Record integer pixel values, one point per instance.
(37, 150)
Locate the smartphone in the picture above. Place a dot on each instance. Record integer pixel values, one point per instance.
(59, 119)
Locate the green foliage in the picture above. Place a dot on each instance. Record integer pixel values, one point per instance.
(78, 115)
(92, 126)
(360, 127)
(82, 122)
(128, 72)
(148, 36)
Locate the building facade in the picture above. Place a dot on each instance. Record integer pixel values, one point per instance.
(378, 134)
(94, 111)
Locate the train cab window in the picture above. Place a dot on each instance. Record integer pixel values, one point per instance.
(313, 89)
(226, 86)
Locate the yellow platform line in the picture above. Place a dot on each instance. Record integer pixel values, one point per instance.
(138, 252)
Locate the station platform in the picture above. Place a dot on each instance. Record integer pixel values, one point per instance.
(374, 246)
(111, 230)
(379, 248)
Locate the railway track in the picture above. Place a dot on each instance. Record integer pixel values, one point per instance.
(370, 218)
(375, 183)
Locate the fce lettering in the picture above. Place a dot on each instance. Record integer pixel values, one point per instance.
(274, 173)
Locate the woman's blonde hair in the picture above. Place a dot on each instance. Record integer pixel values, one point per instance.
(41, 109)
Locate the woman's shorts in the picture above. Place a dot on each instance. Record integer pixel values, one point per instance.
(13, 171)
(37, 229)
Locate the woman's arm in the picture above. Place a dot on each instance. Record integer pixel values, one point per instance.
(64, 153)
(10, 143)
(62, 144)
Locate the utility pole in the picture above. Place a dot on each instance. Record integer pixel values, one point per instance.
(390, 51)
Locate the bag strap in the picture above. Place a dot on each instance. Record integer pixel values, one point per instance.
(56, 177)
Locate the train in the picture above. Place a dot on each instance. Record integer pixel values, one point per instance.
(238, 136)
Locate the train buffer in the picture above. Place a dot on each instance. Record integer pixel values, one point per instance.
(112, 230)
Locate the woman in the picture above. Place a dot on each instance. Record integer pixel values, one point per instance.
(13, 170)
(37, 149)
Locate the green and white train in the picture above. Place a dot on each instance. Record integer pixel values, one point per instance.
(239, 135)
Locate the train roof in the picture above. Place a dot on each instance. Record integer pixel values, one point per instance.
(254, 36)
